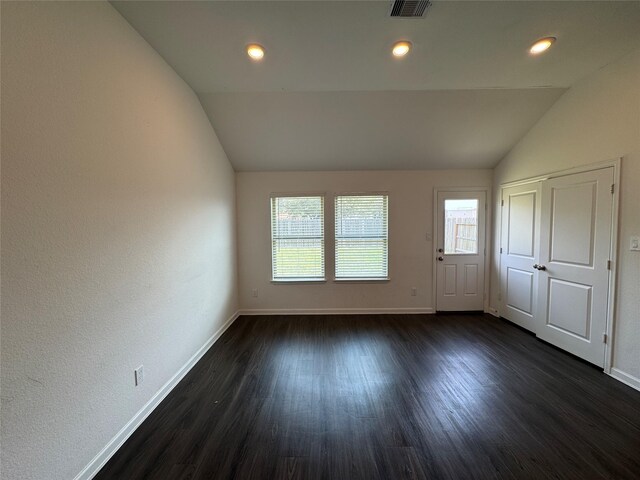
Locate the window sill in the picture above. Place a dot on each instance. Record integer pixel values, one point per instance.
(361, 280)
(298, 280)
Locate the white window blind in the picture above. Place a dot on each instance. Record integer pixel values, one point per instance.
(297, 238)
(361, 237)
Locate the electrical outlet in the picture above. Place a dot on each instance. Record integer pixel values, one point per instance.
(254, 292)
(428, 237)
(634, 244)
(138, 375)
(414, 291)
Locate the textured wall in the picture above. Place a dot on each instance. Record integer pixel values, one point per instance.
(596, 120)
(410, 254)
(118, 243)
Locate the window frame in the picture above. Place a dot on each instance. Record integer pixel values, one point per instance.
(323, 238)
(337, 279)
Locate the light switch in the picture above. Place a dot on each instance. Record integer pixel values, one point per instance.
(635, 244)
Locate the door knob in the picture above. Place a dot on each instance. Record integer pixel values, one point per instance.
(440, 259)
(440, 250)
(539, 267)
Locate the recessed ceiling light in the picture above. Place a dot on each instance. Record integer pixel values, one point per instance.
(255, 51)
(541, 45)
(400, 49)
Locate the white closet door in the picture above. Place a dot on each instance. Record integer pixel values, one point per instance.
(573, 273)
(519, 252)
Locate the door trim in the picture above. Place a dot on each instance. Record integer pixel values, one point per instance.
(569, 171)
(613, 247)
(487, 240)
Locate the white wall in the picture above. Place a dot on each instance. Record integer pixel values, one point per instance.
(598, 119)
(118, 243)
(410, 254)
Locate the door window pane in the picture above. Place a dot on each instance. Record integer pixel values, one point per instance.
(461, 227)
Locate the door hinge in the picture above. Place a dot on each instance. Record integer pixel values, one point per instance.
(613, 188)
(502, 203)
(500, 249)
(608, 264)
(604, 338)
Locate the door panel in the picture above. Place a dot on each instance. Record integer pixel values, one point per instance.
(520, 290)
(570, 308)
(573, 283)
(460, 231)
(521, 224)
(573, 223)
(471, 279)
(450, 280)
(520, 245)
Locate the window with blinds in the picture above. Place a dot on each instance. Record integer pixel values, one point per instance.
(297, 238)
(361, 237)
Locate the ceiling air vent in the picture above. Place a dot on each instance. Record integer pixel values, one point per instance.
(409, 8)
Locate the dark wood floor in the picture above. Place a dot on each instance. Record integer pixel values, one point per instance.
(386, 397)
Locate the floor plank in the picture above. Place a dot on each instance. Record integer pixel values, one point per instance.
(386, 397)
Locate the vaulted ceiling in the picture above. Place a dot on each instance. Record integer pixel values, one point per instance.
(329, 95)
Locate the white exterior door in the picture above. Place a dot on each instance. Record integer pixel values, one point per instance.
(519, 247)
(460, 250)
(573, 270)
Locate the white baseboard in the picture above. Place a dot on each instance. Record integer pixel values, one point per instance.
(336, 311)
(118, 440)
(625, 378)
(494, 312)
